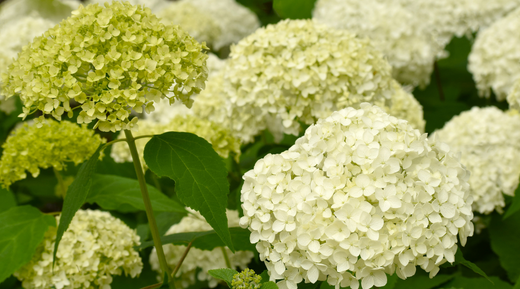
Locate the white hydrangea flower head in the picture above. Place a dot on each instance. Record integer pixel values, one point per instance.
(95, 246)
(196, 258)
(361, 194)
(52, 10)
(295, 70)
(448, 18)
(494, 60)
(199, 24)
(405, 106)
(488, 141)
(13, 37)
(513, 98)
(235, 21)
(164, 112)
(221, 139)
(392, 28)
(155, 5)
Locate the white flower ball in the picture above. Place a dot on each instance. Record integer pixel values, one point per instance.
(155, 5)
(392, 28)
(196, 258)
(94, 247)
(361, 194)
(494, 60)
(488, 140)
(405, 106)
(295, 70)
(235, 21)
(52, 10)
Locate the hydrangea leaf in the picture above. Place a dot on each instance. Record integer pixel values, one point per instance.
(21, 230)
(515, 205)
(225, 274)
(123, 194)
(459, 258)
(480, 283)
(505, 242)
(199, 173)
(294, 9)
(207, 240)
(76, 195)
(7, 200)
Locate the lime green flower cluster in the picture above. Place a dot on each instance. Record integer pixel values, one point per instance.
(110, 60)
(30, 148)
(246, 279)
(221, 139)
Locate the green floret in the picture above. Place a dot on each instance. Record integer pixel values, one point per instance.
(110, 60)
(30, 148)
(246, 279)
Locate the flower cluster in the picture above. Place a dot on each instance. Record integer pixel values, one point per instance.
(295, 70)
(221, 139)
(246, 279)
(110, 60)
(30, 148)
(164, 112)
(235, 21)
(405, 106)
(445, 18)
(196, 258)
(488, 140)
(494, 60)
(52, 10)
(13, 37)
(513, 98)
(392, 28)
(94, 247)
(202, 26)
(361, 194)
(155, 5)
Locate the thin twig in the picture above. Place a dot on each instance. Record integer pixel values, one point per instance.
(182, 259)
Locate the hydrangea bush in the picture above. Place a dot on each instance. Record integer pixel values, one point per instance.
(302, 157)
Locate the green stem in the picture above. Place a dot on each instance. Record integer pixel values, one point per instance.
(182, 259)
(122, 139)
(226, 257)
(148, 206)
(61, 183)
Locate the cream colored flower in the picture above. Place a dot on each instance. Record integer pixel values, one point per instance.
(94, 247)
(488, 140)
(494, 60)
(405, 106)
(291, 72)
(361, 194)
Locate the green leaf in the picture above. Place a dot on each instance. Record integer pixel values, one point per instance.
(225, 274)
(76, 195)
(477, 283)
(124, 194)
(517, 284)
(515, 205)
(21, 231)
(294, 9)
(422, 281)
(199, 173)
(459, 259)
(316, 285)
(505, 242)
(269, 285)
(207, 240)
(7, 200)
(391, 281)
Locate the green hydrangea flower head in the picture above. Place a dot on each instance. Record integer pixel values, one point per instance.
(110, 59)
(246, 279)
(30, 148)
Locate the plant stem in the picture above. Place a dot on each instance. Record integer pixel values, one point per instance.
(226, 257)
(182, 259)
(148, 206)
